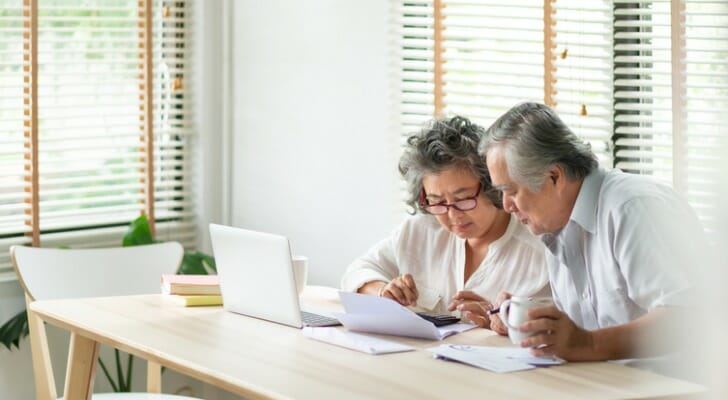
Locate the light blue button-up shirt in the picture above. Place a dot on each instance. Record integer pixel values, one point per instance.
(627, 248)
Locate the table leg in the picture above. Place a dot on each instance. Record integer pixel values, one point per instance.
(81, 369)
(154, 377)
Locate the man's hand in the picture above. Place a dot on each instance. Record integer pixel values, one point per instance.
(473, 306)
(496, 325)
(556, 334)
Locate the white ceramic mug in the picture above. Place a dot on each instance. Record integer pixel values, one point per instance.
(514, 312)
(300, 271)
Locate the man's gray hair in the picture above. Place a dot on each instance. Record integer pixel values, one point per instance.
(533, 138)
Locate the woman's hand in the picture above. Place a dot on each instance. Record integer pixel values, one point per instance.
(496, 325)
(473, 306)
(401, 289)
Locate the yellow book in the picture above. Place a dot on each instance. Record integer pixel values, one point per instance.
(197, 300)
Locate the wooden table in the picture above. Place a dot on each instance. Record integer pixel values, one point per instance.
(259, 359)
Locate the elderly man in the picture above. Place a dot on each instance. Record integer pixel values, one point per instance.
(619, 245)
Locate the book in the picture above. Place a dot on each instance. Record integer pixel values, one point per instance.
(196, 300)
(191, 284)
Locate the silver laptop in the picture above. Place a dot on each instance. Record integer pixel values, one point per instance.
(256, 277)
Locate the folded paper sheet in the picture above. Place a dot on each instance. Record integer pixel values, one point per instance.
(374, 314)
(496, 359)
(355, 341)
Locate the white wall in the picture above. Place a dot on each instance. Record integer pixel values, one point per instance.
(314, 150)
(296, 123)
(208, 66)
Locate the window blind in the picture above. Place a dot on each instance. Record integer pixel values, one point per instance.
(489, 45)
(493, 58)
(483, 47)
(643, 88)
(705, 104)
(14, 220)
(582, 71)
(671, 79)
(415, 33)
(92, 159)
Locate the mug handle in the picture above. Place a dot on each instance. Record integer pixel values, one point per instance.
(504, 310)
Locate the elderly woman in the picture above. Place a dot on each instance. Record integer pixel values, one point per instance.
(460, 248)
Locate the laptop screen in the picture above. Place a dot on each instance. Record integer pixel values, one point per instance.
(256, 275)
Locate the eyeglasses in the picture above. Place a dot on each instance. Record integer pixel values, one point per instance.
(466, 204)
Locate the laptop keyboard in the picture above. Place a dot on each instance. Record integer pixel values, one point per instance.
(311, 319)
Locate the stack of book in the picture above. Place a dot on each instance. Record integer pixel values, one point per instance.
(192, 290)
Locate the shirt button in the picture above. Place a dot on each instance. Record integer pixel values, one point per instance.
(584, 295)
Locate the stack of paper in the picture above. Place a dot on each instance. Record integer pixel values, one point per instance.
(192, 290)
(496, 359)
(375, 314)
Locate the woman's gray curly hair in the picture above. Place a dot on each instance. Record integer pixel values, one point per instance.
(443, 144)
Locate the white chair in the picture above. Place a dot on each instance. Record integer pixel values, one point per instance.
(47, 274)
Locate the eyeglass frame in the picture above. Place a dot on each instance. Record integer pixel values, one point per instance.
(425, 206)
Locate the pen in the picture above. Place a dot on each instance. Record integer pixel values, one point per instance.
(493, 311)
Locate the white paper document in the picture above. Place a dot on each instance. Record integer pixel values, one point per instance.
(354, 341)
(375, 314)
(496, 359)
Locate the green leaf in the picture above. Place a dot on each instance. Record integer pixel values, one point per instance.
(196, 263)
(129, 368)
(209, 262)
(139, 233)
(108, 376)
(13, 330)
(120, 372)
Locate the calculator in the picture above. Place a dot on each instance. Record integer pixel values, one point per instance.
(439, 319)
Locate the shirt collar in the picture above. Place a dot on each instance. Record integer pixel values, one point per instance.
(550, 240)
(585, 208)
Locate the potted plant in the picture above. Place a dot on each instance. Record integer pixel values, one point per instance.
(139, 233)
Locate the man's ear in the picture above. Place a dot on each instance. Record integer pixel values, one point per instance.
(557, 175)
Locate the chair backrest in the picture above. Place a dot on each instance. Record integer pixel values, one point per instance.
(47, 274)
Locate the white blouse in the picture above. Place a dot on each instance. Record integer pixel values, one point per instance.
(436, 259)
